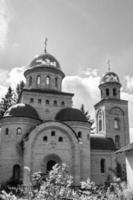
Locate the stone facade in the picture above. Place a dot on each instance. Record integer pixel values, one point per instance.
(44, 129)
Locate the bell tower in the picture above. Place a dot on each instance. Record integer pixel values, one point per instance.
(111, 111)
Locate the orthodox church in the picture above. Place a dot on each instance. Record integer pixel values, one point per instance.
(44, 129)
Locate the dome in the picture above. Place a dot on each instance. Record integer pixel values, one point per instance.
(71, 114)
(110, 77)
(46, 60)
(21, 110)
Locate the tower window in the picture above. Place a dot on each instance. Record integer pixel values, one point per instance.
(45, 138)
(62, 103)
(31, 100)
(30, 81)
(117, 141)
(39, 101)
(53, 133)
(100, 125)
(19, 131)
(114, 92)
(38, 80)
(116, 124)
(47, 80)
(55, 103)
(6, 131)
(102, 165)
(56, 82)
(100, 120)
(79, 134)
(60, 139)
(47, 102)
(107, 91)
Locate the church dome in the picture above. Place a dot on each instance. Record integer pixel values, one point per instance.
(110, 77)
(45, 60)
(71, 114)
(21, 110)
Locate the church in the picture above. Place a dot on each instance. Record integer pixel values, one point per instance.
(43, 128)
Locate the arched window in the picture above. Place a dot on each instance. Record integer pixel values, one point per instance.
(53, 133)
(100, 120)
(79, 134)
(6, 131)
(60, 139)
(30, 80)
(39, 101)
(47, 102)
(116, 124)
(62, 103)
(19, 131)
(56, 82)
(117, 141)
(48, 81)
(55, 103)
(31, 100)
(114, 92)
(38, 80)
(45, 138)
(107, 91)
(102, 165)
(100, 124)
(16, 172)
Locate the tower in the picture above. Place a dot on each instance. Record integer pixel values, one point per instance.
(111, 111)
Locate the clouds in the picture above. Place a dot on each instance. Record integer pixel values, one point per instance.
(4, 20)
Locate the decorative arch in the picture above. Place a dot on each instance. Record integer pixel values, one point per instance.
(100, 121)
(116, 111)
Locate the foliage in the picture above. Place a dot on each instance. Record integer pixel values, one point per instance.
(19, 88)
(86, 113)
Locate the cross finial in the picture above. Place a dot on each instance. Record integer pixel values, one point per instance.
(108, 63)
(45, 45)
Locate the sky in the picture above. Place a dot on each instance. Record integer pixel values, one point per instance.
(82, 34)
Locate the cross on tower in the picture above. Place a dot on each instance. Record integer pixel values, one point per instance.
(45, 45)
(108, 63)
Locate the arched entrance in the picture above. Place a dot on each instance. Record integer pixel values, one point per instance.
(50, 165)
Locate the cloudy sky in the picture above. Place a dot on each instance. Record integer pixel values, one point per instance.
(82, 35)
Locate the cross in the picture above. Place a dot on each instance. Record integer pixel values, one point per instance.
(108, 63)
(45, 45)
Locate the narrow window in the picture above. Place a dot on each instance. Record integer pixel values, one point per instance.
(56, 82)
(79, 134)
(47, 102)
(53, 133)
(102, 165)
(31, 100)
(55, 103)
(62, 103)
(116, 124)
(30, 81)
(45, 138)
(19, 131)
(100, 125)
(16, 172)
(107, 91)
(39, 101)
(60, 139)
(114, 92)
(117, 141)
(6, 131)
(47, 80)
(38, 80)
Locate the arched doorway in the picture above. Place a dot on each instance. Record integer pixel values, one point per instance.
(50, 165)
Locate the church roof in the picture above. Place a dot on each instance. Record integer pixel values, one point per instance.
(71, 114)
(102, 143)
(21, 110)
(110, 77)
(45, 59)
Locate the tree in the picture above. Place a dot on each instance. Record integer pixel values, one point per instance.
(86, 113)
(19, 88)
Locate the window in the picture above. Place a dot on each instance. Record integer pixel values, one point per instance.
(19, 131)
(55, 103)
(114, 92)
(117, 141)
(116, 124)
(79, 134)
(53, 133)
(47, 80)
(60, 139)
(6, 131)
(38, 80)
(56, 82)
(100, 120)
(16, 172)
(102, 165)
(100, 125)
(31, 100)
(45, 138)
(107, 91)
(30, 81)
(39, 101)
(47, 102)
(62, 103)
